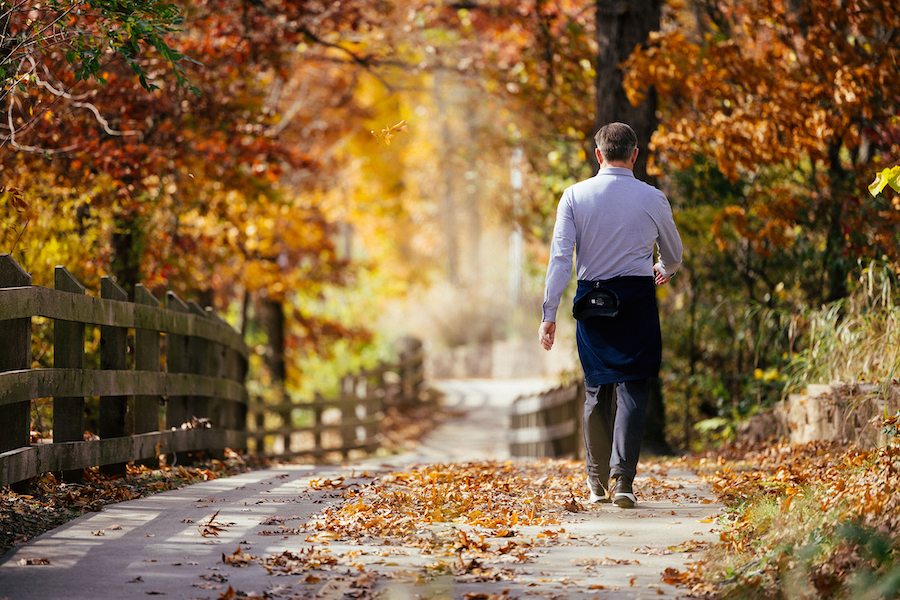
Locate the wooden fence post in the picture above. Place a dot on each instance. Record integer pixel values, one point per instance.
(68, 353)
(218, 415)
(177, 361)
(113, 357)
(198, 364)
(15, 354)
(146, 358)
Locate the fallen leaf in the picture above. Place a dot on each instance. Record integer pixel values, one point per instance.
(34, 561)
(238, 558)
(210, 528)
(207, 586)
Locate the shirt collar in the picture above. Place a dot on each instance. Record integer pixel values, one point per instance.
(616, 171)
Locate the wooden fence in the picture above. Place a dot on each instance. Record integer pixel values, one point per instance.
(199, 377)
(351, 421)
(547, 424)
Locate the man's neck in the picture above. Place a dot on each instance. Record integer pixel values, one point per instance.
(617, 163)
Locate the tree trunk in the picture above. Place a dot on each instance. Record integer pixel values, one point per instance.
(273, 314)
(622, 25)
(127, 249)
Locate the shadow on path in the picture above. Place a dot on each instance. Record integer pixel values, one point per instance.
(153, 546)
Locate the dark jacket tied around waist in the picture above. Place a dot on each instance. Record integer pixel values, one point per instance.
(625, 347)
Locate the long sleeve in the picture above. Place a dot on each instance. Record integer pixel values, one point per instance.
(669, 242)
(559, 269)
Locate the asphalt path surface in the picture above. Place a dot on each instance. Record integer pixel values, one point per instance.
(155, 546)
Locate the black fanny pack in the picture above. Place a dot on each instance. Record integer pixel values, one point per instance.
(599, 302)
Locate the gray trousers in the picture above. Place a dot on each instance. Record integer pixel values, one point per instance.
(613, 426)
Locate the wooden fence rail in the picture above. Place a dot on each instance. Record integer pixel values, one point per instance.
(351, 421)
(199, 378)
(547, 424)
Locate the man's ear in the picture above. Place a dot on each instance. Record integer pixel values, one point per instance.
(599, 156)
(634, 154)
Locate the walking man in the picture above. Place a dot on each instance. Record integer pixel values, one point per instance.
(612, 222)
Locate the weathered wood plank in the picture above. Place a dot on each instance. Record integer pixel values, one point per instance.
(68, 353)
(24, 463)
(35, 301)
(146, 358)
(555, 397)
(113, 357)
(21, 386)
(177, 361)
(543, 433)
(198, 356)
(15, 353)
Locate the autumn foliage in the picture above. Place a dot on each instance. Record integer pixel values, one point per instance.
(796, 100)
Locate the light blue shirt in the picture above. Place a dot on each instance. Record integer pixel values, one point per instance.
(611, 222)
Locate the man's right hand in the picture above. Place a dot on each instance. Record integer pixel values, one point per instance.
(658, 277)
(547, 334)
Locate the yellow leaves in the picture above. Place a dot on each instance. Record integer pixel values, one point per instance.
(887, 177)
(388, 132)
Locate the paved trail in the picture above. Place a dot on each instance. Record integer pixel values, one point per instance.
(152, 546)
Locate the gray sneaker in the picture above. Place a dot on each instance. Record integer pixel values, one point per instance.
(599, 494)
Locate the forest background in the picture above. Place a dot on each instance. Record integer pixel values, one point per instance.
(349, 172)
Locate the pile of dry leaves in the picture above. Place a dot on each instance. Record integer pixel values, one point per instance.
(817, 520)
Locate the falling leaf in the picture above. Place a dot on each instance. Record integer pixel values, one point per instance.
(388, 132)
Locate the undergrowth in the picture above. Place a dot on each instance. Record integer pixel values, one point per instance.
(817, 520)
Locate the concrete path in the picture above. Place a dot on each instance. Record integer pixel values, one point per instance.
(153, 546)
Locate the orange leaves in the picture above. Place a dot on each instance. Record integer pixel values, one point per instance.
(787, 500)
(490, 495)
(238, 558)
(766, 89)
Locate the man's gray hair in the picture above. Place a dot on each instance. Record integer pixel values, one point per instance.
(616, 141)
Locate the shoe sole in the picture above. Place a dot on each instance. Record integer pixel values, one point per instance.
(624, 501)
(598, 499)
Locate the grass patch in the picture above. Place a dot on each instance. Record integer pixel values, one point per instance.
(819, 520)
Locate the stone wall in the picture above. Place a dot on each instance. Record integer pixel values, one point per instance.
(836, 411)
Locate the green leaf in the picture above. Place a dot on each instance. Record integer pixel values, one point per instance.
(888, 177)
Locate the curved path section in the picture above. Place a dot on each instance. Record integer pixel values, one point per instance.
(162, 546)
